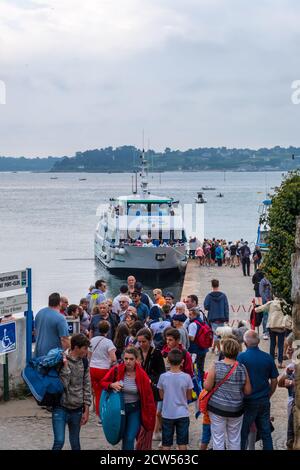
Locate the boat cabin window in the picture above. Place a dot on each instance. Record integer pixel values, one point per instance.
(160, 209)
(137, 209)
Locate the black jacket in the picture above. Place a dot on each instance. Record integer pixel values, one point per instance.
(245, 251)
(154, 366)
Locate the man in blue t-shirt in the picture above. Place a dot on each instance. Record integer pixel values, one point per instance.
(51, 328)
(141, 309)
(263, 375)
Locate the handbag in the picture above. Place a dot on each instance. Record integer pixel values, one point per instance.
(205, 397)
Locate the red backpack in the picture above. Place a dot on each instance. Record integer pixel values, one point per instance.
(204, 337)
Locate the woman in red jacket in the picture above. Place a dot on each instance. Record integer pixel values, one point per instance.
(138, 396)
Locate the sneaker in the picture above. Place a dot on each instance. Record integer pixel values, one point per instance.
(157, 436)
(265, 336)
(99, 422)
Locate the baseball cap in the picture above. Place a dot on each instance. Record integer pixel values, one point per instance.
(180, 317)
(170, 294)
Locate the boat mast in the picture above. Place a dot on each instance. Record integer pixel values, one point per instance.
(144, 174)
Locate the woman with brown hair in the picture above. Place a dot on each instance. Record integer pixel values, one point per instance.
(154, 365)
(130, 379)
(122, 332)
(102, 356)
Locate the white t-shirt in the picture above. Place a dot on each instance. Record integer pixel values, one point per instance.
(192, 329)
(159, 326)
(100, 348)
(175, 386)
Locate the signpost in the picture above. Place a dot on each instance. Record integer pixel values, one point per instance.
(11, 305)
(8, 343)
(8, 337)
(13, 280)
(73, 325)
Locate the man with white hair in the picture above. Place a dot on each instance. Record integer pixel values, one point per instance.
(124, 302)
(263, 377)
(116, 305)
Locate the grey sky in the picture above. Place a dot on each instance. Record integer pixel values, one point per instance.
(192, 73)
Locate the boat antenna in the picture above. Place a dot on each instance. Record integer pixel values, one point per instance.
(144, 174)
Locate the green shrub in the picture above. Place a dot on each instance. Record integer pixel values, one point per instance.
(282, 221)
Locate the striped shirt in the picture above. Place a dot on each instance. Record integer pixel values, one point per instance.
(131, 394)
(228, 399)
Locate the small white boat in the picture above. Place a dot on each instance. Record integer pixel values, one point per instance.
(200, 199)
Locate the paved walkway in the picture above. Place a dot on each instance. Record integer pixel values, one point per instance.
(24, 425)
(238, 288)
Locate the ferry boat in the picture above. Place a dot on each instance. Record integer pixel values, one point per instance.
(263, 227)
(141, 232)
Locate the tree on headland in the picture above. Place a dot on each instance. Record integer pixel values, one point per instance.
(282, 220)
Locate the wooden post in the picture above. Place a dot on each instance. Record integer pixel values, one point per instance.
(295, 295)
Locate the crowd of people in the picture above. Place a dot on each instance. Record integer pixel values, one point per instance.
(220, 252)
(152, 349)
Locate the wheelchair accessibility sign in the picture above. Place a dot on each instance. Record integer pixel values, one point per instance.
(8, 342)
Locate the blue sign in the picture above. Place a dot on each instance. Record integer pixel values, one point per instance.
(8, 337)
(73, 325)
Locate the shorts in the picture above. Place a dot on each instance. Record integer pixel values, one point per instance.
(181, 425)
(214, 327)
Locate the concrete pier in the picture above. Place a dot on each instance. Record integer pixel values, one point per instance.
(237, 287)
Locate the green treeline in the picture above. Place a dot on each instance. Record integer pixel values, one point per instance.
(126, 159)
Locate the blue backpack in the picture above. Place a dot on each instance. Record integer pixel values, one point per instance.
(41, 375)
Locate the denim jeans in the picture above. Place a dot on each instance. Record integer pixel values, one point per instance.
(273, 336)
(61, 417)
(258, 411)
(264, 323)
(200, 360)
(132, 424)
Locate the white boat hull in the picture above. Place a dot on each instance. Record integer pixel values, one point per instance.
(139, 258)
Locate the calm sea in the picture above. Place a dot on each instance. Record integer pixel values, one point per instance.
(48, 224)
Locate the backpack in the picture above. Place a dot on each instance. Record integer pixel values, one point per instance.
(92, 302)
(158, 340)
(204, 337)
(44, 381)
(255, 318)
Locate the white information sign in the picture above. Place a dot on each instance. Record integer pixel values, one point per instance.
(11, 305)
(13, 280)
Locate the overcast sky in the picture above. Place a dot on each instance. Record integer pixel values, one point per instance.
(191, 73)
